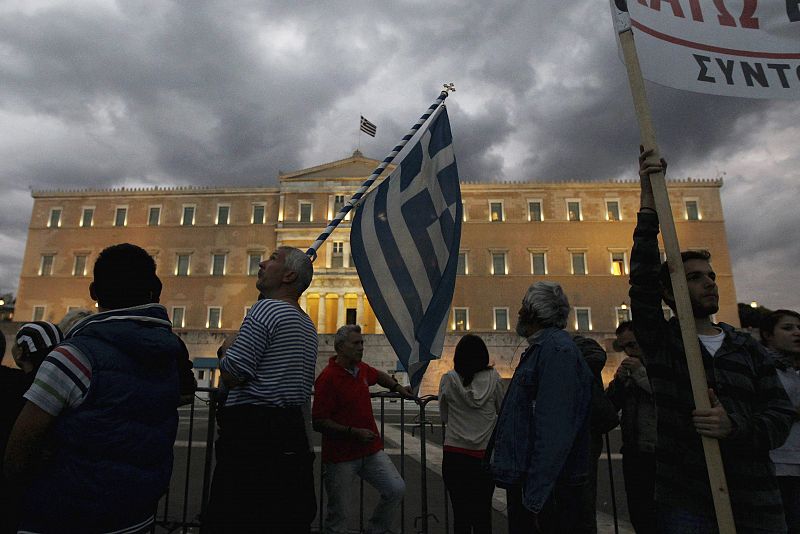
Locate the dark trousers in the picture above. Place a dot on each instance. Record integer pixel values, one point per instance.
(556, 517)
(470, 487)
(639, 471)
(790, 493)
(264, 477)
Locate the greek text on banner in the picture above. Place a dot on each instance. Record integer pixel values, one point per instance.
(743, 48)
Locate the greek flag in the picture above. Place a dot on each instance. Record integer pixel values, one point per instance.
(367, 127)
(404, 240)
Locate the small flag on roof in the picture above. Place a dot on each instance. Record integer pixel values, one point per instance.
(367, 127)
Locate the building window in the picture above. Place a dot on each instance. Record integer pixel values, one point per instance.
(121, 216)
(460, 319)
(501, 318)
(337, 254)
(178, 316)
(187, 219)
(539, 263)
(496, 211)
(535, 210)
(578, 262)
(305, 212)
(154, 216)
(258, 213)
(622, 314)
(462, 263)
(350, 316)
(618, 264)
(612, 210)
(692, 210)
(253, 263)
(218, 264)
(583, 319)
(338, 204)
(55, 218)
(499, 263)
(46, 265)
(214, 317)
(182, 265)
(574, 210)
(87, 217)
(38, 313)
(79, 269)
(223, 214)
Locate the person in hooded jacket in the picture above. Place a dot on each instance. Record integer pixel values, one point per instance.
(104, 405)
(470, 397)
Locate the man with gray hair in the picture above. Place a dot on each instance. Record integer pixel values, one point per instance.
(351, 445)
(264, 478)
(539, 451)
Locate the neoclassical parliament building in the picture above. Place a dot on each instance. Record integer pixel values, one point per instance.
(208, 243)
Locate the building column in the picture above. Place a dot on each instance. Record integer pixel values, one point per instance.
(360, 309)
(341, 318)
(304, 302)
(321, 318)
(346, 254)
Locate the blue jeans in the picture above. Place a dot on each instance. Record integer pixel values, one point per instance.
(379, 472)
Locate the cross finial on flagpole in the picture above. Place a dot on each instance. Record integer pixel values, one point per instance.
(448, 87)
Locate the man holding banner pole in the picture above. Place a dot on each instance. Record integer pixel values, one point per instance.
(749, 414)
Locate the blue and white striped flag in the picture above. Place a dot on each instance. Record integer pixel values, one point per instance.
(404, 239)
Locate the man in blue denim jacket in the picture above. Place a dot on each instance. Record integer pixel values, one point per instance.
(540, 448)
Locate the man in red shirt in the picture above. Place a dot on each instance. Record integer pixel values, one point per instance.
(351, 445)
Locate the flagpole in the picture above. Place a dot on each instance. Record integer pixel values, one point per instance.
(350, 204)
(694, 358)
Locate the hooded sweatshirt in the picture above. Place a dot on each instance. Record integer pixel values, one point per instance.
(470, 412)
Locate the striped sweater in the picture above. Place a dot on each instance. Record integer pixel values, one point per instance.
(747, 386)
(275, 354)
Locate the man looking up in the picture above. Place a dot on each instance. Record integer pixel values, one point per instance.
(351, 445)
(750, 412)
(105, 401)
(264, 480)
(539, 451)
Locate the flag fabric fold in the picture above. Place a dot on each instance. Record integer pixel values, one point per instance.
(367, 127)
(405, 241)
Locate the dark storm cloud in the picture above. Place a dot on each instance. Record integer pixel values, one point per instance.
(101, 94)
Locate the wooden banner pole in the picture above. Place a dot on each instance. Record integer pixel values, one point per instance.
(694, 359)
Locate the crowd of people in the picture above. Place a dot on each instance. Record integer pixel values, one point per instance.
(88, 421)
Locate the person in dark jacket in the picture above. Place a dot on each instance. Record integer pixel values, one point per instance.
(32, 343)
(630, 392)
(750, 412)
(104, 404)
(780, 334)
(539, 451)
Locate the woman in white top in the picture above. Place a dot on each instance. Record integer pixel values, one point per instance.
(780, 333)
(469, 400)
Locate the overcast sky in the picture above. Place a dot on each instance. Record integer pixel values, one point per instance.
(99, 93)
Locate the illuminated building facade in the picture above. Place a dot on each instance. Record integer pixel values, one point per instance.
(208, 242)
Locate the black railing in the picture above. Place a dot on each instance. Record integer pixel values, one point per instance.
(193, 490)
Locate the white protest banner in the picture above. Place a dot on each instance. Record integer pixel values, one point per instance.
(744, 48)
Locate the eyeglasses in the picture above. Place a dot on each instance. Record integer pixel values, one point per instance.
(630, 345)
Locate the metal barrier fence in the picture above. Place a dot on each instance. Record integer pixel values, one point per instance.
(185, 485)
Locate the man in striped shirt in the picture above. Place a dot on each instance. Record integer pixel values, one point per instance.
(263, 481)
(750, 412)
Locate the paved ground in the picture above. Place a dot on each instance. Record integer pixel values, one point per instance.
(189, 464)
